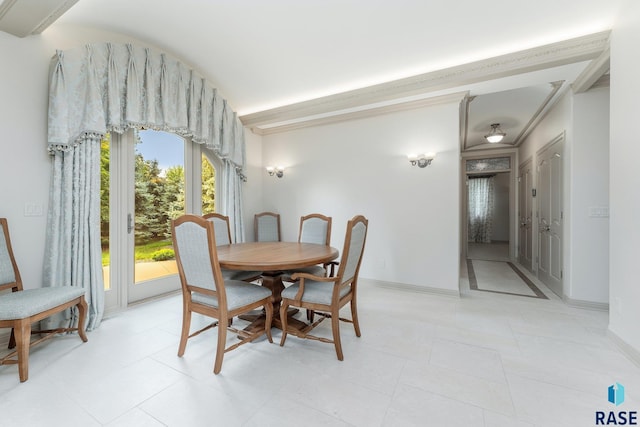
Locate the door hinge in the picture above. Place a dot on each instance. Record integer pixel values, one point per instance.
(561, 274)
(561, 215)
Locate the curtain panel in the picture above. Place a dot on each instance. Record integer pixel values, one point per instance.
(480, 207)
(108, 87)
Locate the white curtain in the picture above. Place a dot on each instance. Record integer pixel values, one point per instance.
(107, 87)
(480, 209)
(73, 233)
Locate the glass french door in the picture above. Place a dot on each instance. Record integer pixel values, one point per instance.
(149, 176)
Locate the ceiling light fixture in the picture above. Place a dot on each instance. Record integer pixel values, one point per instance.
(495, 134)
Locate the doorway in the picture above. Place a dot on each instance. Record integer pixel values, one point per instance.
(148, 179)
(488, 207)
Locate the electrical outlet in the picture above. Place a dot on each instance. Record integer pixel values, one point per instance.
(33, 209)
(599, 212)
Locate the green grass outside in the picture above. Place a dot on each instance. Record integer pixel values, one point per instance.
(142, 252)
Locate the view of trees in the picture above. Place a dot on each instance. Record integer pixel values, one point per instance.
(159, 197)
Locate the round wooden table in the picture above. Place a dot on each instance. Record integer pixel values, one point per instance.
(272, 258)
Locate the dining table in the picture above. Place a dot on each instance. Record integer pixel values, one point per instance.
(274, 259)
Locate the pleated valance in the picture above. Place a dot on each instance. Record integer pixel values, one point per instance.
(109, 87)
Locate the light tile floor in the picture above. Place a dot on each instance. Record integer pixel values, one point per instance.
(423, 360)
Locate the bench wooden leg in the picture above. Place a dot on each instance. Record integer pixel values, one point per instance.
(23, 340)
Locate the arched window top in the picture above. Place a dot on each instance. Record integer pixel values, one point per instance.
(109, 87)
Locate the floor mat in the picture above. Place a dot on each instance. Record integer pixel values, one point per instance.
(502, 278)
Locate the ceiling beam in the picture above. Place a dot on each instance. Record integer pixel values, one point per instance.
(534, 59)
(28, 17)
(456, 97)
(594, 71)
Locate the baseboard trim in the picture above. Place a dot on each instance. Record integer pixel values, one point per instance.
(631, 353)
(590, 305)
(415, 288)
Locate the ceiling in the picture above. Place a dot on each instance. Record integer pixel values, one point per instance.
(290, 63)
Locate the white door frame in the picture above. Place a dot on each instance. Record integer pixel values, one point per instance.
(527, 220)
(553, 281)
(489, 154)
(121, 242)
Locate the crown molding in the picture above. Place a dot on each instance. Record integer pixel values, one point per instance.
(464, 121)
(534, 59)
(594, 72)
(457, 97)
(540, 113)
(23, 18)
(604, 81)
(5, 6)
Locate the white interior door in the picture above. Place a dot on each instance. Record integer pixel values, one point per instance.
(550, 216)
(525, 215)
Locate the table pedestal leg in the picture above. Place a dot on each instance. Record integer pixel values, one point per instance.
(273, 282)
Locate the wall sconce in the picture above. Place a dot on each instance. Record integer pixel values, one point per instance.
(421, 160)
(277, 171)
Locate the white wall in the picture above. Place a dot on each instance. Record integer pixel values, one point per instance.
(24, 162)
(624, 199)
(589, 189)
(252, 190)
(360, 167)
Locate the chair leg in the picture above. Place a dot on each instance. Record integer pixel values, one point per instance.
(268, 308)
(82, 315)
(23, 340)
(186, 325)
(354, 316)
(222, 343)
(310, 315)
(12, 340)
(335, 328)
(283, 320)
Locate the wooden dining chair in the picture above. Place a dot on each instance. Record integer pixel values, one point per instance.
(205, 291)
(266, 226)
(20, 308)
(223, 237)
(314, 228)
(327, 295)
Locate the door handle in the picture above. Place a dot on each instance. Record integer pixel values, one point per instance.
(129, 223)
